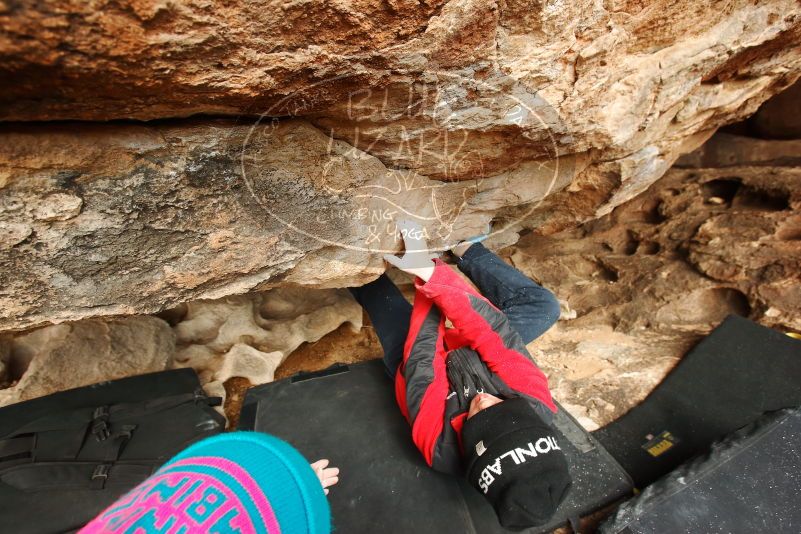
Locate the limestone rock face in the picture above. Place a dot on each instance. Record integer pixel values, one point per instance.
(245, 336)
(537, 115)
(249, 336)
(641, 285)
(135, 219)
(447, 88)
(60, 357)
(730, 233)
(624, 63)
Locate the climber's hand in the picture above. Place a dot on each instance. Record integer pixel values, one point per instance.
(328, 475)
(417, 259)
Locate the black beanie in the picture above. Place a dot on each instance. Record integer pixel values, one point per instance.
(514, 459)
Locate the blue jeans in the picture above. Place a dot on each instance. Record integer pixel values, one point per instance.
(530, 308)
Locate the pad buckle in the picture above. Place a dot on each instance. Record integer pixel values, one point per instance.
(100, 429)
(101, 471)
(125, 432)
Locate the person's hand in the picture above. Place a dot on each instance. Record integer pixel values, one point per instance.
(417, 259)
(328, 475)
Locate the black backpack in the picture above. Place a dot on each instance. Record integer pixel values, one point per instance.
(65, 457)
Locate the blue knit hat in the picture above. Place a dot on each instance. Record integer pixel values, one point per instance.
(237, 482)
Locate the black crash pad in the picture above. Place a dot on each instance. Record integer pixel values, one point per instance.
(131, 389)
(749, 482)
(731, 378)
(349, 415)
(45, 486)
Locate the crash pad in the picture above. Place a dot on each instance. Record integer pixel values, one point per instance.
(348, 414)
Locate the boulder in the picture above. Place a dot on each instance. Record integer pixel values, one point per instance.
(642, 285)
(66, 356)
(448, 88)
(532, 115)
(153, 216)
(249, 336)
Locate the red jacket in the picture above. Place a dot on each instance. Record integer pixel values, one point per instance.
(425, 395)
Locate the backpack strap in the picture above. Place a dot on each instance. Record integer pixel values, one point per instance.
(100, 476)
(112, 450)
(16, 450)
(117, 441)
(67, 420)
(99, 416)
(16, 446)
(76, 475)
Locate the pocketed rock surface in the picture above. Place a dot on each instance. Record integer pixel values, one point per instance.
(288, 138)
(640, 286)
(719, 234)
(140, 218)
(65, 356)
(538, 115)
(244, 338)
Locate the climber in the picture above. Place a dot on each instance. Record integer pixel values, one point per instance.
(476, 402)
